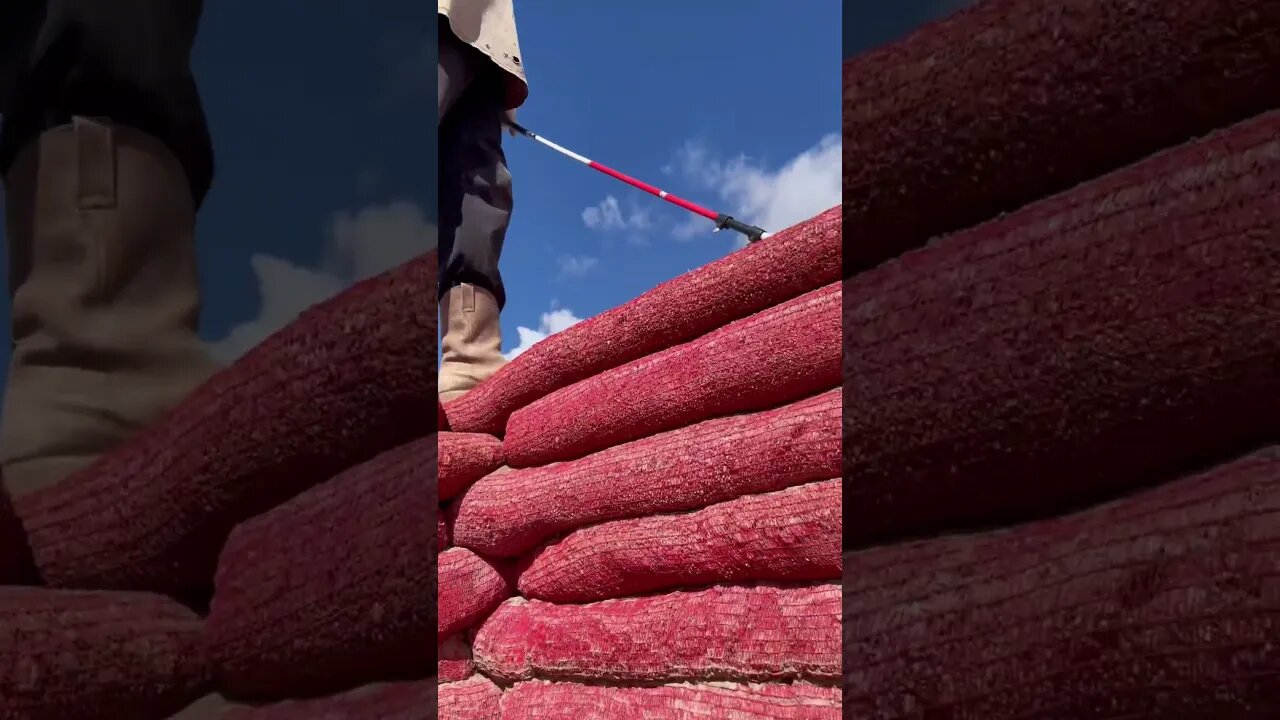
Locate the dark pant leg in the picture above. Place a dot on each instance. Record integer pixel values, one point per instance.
(456, 67)
(126, 60)
(475, 185)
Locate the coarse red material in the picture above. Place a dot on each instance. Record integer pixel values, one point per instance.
(335, 587)
(539, 700)
(470, 587)
(348, 379)
(464, 459)
(474, 699)
(1009, 102)
(767, 273)
(383, 701)
(790, 535)
(773, 357)
(442, 420)
(111, 655)
(1105, 339)
(1161, 605)
(510, 513)
(757, 633)
(454, 661)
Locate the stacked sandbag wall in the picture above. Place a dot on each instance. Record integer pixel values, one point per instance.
(263, 552)
(1007, 102)
(644, 510)
(1060, 422)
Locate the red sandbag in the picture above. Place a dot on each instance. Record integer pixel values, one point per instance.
(442, 531)
(791, 262)
(1158, 606)
(470, 587)
(392, 701)
(537, 700)
(507, 514)
(442, 420)
(454, 660)
(348, 379)
(722, 633)
(464, 459)
(773, 357)
(791, 535)
(474, 699)
(332, 589)
(15, 555)
(1104, 339)
(1011, 101)
(108, 655)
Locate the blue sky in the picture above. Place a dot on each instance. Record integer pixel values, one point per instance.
(735, 106)
(324, 132)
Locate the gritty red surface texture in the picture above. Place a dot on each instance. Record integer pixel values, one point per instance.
(476, 698)
(761, 633)
(658, 488)
(453, 660)
(350, 378)
(470, 588)
(113, 655)
(792, 262)
(465, 458)
(1094, 342)
(1062, 355)
(790, 535)
(663, 499)
(775, 356)
(724, 701)
(333, 588)
(509, 513)
(304, 475)
(1160, 605)
(1009, 101)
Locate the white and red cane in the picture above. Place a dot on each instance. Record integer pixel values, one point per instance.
(721, 220)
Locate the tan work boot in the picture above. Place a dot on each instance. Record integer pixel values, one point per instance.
(472, 345)
(106, 300)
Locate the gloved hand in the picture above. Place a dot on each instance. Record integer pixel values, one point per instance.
(511, 118)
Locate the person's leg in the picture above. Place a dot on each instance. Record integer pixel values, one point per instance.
(127, 60)
(105, 156)
(480, 209)
(475, 186)
(476, 206)
(455, 69)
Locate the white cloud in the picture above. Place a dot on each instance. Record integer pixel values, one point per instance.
(608, 215)
(552, 322)
(359, 245)
(575, 266)
(804, 186)
(694, 161)
(377, 238)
